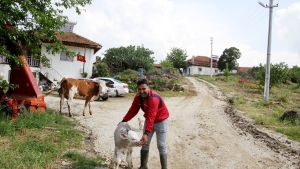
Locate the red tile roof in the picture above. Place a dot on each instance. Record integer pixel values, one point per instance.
(202, 61)
(244, 69)
(72, 39)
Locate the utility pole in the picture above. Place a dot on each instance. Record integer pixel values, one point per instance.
(211, 42)
(267, 76)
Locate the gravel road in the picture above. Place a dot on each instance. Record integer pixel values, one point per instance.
(201, 134)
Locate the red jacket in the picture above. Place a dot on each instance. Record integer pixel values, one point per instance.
(153, 106)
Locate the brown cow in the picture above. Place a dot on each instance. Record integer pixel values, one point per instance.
(84, 88)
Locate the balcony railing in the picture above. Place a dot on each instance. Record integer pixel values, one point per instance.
(32, 62)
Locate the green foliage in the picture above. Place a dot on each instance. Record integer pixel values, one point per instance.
(4, 86)
(166, 63)
(102, 69)
(294, 74)
(177, 57)
(84, 74)
(33, 22)
(226, 72)
(229, 56)
(279, 73)
(128, 76)
(130, 57)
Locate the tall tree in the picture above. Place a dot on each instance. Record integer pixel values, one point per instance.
(31, 22)
(178, 57)
(130, 57)
(229, 56)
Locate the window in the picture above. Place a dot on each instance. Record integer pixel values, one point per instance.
(64, 57)
(216, 71)
(200, 69)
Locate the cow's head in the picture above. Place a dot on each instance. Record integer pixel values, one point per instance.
(102, 87)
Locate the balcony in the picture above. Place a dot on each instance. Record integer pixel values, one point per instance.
(32, 62)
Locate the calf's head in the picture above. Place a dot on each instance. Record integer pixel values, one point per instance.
(131, 136)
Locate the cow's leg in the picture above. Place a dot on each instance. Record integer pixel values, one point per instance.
(69, 103)
(90, 108)
(85, 104)
(129, 158)
(61, 104)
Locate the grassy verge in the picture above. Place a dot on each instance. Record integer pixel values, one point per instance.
(249, 99)
(40, 140)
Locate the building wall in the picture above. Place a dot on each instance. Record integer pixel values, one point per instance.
(5, 72)
(198, 70)
(73, 68)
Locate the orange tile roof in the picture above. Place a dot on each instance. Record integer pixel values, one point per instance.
(156, 65)
(72, 39)
(244, 69)
(202, 61)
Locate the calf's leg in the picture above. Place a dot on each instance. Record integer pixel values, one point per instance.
(129, 158)
(118, 159)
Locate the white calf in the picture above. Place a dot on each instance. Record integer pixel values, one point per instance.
(141, 123)
(125, 139)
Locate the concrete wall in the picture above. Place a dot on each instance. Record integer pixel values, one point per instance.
(72, 68)
(195, 70)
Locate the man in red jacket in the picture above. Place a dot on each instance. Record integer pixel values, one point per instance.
(156, 120)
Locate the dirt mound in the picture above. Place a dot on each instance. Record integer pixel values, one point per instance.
(166, 79)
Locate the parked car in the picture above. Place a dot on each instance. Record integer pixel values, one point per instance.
(122, 88)
(110, 91)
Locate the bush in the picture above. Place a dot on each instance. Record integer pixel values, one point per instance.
(102, 69)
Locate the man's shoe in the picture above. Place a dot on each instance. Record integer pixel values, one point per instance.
(163, 161)
(144, 159)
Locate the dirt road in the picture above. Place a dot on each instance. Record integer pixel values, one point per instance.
(201, 134)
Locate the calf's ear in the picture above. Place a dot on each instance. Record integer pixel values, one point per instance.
(123, 135)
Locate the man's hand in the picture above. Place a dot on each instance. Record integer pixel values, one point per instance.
(144, 139)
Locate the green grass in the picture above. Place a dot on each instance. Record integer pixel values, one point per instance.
(82, 162)
(37, 140)
(266, 113)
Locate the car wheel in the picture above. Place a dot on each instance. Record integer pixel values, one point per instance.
(117, 94)
(104, 98)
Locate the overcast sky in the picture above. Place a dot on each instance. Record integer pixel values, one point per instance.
(160, 25)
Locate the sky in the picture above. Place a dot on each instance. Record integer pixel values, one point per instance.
(200, 27)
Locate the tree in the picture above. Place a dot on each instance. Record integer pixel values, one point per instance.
(102, 69)
(33, 22)
(226, 72)
(130, 57)
(178, 57)
(166, 63)
(294, 74)
(229, 56)
(279, 73)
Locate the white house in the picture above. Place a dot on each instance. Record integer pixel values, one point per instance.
(200, 65)
(60, 64)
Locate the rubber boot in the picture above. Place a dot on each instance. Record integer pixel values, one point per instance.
(144, 159)
(163, 161)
